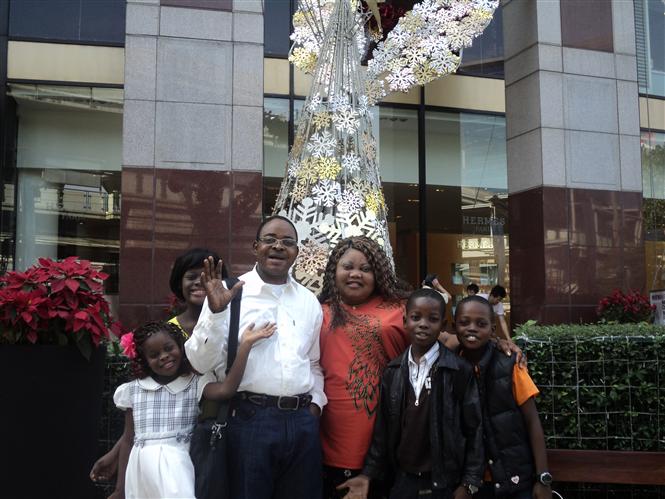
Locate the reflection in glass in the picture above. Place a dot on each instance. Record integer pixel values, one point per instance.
(63, 213)
(467, 200)
(485, 56)
(275, 149)
(650, 44)
(653, 178)
(276, 31)
(397, 136)
(69, 148)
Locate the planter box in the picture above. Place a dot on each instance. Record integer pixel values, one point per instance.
(50, 403)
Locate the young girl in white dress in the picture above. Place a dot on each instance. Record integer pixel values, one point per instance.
(162, 408)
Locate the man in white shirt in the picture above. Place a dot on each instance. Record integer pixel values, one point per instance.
(495, 297)
(274, 448)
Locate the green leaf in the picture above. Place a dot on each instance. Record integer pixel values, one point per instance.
(62, 339)
(84, 344)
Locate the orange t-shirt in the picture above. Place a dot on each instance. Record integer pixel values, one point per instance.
(353, 358)
(523, 386)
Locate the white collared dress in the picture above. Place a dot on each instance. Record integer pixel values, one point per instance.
(164, 417)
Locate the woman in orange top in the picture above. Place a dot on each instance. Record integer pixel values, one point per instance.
(362, 331)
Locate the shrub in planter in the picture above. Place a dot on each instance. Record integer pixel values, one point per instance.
(53, 323)
(623, 307)
(601, 385)
(56, 303)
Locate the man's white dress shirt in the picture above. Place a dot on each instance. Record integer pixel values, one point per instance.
(287, 363)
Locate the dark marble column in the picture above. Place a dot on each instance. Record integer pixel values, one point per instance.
(192, 142)
(574, 170)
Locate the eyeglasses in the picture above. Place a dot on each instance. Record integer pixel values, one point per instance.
(271, 241)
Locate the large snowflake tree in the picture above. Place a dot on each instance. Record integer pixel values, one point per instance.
(332, 186)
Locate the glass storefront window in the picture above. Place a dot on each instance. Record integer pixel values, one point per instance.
(397, 136)
(467, 201)
(650, 43)
(653, 178)
(485, 56)
(275, 147)
(69, 156)
(276, 32)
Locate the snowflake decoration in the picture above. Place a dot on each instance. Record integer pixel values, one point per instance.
(363, 104)
(445, 62)
(375, 91)
(457, 38)
(350, 201)
(312, 257)
(346, 120)
(298, 143)
(374, 201)
(321, 144)
(326, 192)
(432, 28)
(412, 23)
(310, 22)
(293, 167)
(314, 102)
(303, 58)
(351, 163)
(321, 119)
(369, 146)
(299, 192)
(402, 80)
(396, 65)
(414, 56)
(339, 102)
(424, 74)
(307, 171)
(328, 168)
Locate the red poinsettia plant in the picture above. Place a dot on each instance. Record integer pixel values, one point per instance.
(58, 303)
(625, 307)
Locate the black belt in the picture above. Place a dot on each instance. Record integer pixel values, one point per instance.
(284, 402)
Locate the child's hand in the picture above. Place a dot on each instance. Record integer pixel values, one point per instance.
(251, 335)
(509, 348)
(358, 487)
(104, 468)
(541, 491)
(211, 278)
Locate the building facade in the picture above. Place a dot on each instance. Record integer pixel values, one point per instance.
(133, 131)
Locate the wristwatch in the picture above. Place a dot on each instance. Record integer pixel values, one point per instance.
(470, 489)
(545, 478)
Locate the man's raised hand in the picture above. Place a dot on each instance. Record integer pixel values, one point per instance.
(211, 278)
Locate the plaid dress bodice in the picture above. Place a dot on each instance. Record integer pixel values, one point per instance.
(162, 412)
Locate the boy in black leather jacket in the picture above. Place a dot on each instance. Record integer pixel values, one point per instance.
(428, 431)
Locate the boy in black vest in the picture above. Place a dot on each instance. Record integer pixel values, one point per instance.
(428, 431)
(513, 435)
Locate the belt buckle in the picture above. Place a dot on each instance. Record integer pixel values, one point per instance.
(288, 397)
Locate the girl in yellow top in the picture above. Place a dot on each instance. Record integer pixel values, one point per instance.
(185, 283)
